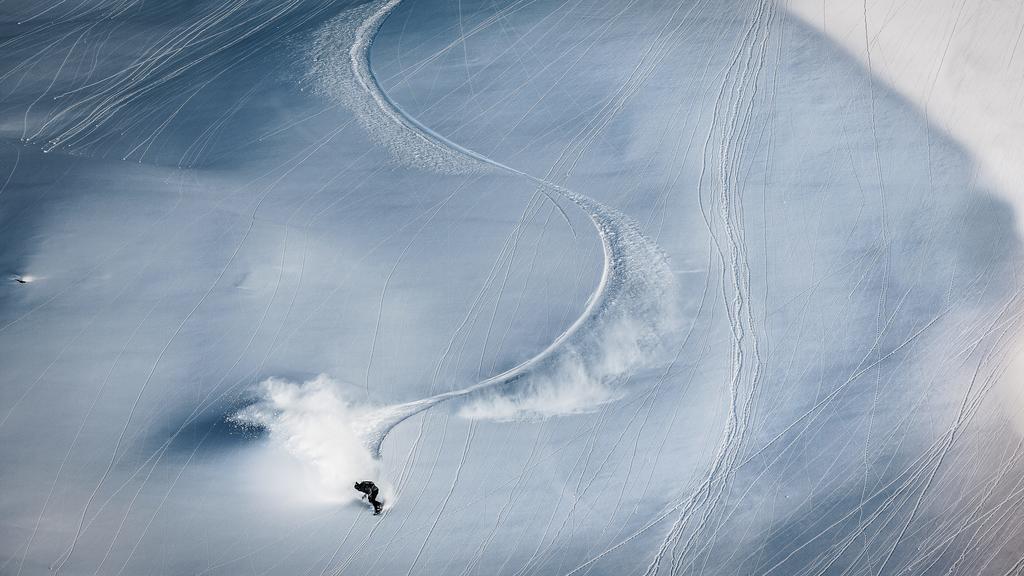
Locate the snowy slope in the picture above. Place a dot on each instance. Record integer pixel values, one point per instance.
(587, 287)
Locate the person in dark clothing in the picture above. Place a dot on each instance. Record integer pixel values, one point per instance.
(369, 490)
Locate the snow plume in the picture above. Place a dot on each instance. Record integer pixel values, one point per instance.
(583, 375)
(571, 391)
(312, 421)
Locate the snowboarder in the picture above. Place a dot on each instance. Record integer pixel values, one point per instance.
(369, 490)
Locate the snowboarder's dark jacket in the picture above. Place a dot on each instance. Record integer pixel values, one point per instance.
(370, 490)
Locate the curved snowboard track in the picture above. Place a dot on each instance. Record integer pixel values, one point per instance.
(633, 303)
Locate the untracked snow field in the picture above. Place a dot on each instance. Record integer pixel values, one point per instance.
(586, 287)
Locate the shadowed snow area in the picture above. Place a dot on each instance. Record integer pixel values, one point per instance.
(584, 287)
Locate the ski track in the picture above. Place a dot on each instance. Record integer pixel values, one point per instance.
(635, 287)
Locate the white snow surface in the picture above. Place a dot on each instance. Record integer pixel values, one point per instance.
(586, 287)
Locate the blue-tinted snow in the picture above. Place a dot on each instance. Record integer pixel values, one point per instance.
(226, 252)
